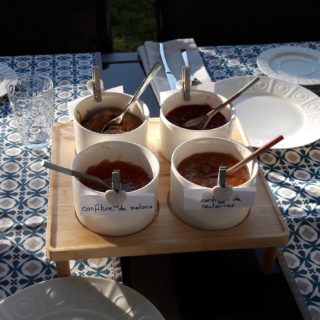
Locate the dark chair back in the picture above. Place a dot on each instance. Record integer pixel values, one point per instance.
(224, 22)
(40, 27)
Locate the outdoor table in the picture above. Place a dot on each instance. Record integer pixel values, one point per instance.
(25, 183)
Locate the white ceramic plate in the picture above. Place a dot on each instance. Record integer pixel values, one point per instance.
(295, 64)
(6, 75)
(273, 107)
(75, 298)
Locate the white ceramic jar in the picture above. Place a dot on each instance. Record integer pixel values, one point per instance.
(124, 222)
(85, 137)
(171, 135)
(210, 219)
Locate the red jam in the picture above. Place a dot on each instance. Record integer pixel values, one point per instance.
(181, 114)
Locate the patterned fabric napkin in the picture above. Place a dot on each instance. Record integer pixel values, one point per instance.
(149, 54)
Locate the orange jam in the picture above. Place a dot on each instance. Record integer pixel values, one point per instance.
(133, 177)
(203, 168)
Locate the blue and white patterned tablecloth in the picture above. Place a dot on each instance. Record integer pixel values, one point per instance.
(292, 174)
(24, 182)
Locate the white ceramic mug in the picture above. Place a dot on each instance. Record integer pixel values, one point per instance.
(171, 135)
(85, 137)
(209, 219)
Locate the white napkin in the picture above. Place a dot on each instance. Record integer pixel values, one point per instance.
(149, 54)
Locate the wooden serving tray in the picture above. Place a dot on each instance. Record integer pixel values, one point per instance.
(67, 239)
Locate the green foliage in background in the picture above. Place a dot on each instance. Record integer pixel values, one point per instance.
(133, 22)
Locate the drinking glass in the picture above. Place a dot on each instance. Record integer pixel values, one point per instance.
(32, 101)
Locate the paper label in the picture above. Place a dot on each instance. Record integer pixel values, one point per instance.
(202, 199)
(98, 205)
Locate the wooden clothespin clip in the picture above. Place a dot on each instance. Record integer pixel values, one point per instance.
(116, 180)
(115, 195)
(221, 191)
(186, 83)
(96, 83)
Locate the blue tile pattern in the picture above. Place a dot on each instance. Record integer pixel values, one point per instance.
(292, 174)
(24, 182)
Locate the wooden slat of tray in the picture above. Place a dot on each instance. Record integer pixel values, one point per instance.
(67, 239)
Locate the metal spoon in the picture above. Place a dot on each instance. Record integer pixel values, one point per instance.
(202, 121)
(254, 154)
(74, 173)
(117, 120)
(251, 156)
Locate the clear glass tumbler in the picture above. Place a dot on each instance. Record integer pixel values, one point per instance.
(32, 102)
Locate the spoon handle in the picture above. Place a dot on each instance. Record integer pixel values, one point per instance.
(263, 148)
(73, 173)
(210, 114)
(154, 70)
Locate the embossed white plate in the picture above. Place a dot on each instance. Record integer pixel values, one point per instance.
(6, 75)
(291, 63)
(75, 298)
(273, 107)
